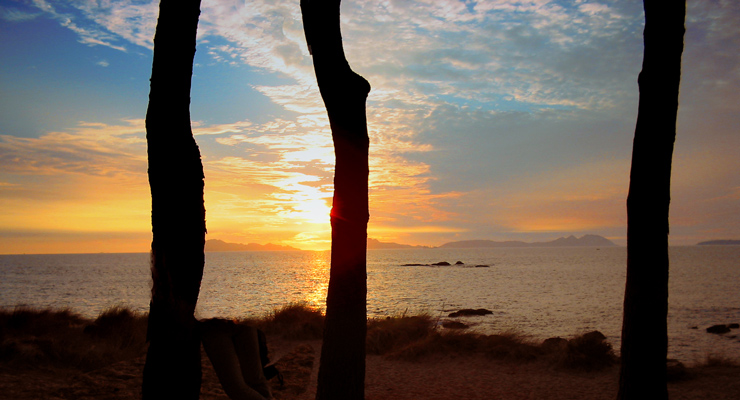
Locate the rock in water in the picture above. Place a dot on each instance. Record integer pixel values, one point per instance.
(469, 311)
(718, 329)
(454, 325)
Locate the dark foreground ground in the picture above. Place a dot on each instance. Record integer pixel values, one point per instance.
(58, 355)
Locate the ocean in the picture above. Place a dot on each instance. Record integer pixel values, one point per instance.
(540, 292)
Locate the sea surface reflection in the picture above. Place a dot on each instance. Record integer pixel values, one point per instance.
(542, 292)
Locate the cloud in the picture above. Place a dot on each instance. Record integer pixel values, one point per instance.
(15, 15)
(106, 23)
(90, 149)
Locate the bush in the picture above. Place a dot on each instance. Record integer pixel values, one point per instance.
(588, 352)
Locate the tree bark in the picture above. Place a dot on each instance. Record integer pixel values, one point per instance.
(644, 330)
(342, 370)
(176, 179)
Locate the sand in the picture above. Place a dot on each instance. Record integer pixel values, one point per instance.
(438, 377)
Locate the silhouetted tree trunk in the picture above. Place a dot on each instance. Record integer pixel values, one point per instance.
(342, 370)
(644, 329)
(172, 369)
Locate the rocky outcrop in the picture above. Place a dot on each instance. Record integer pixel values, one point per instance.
(718, 329)
(445, 264)
(454, 325)
(466, 312)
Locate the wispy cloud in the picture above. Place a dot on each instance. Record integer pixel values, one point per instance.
(107, 23)
(90, 149)
(15, 15)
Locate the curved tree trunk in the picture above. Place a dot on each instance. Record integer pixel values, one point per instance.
(342, 369)
(173, 368)
(644, 330)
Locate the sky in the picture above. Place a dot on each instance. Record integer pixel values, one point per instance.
(499, 120)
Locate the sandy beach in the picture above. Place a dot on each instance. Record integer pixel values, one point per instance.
(436, 377)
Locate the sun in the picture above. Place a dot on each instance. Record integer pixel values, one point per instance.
(313, 211)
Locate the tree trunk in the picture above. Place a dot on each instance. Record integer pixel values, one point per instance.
(173, 368)
(342, 370)
(644, 330)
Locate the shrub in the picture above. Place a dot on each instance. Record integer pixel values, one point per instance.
(588, 352)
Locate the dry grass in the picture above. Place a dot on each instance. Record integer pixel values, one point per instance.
(415, 338)
(294, 321)
(33, 338)
(719, 360)
(391, 334)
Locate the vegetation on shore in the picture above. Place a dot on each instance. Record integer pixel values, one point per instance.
(43, 338)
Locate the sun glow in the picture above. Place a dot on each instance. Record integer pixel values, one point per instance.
(313, 211)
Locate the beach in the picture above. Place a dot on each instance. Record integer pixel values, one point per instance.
(444, 377)
(47, 354)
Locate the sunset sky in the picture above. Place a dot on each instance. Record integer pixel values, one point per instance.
(488, 120)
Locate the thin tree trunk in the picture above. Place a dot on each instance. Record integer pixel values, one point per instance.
(644, 330)
(173, 368)
(342, 370)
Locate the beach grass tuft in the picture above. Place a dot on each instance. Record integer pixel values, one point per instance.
(294, 321)
(33, 338)
(393, 333)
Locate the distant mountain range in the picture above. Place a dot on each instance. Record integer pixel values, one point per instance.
(374, 244)
(720, 243)
(220, 245)
(570, 241)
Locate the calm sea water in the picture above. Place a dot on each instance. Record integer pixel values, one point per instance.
(542, 292)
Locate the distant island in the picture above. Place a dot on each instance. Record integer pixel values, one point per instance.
(719, 243)
(374, 244)
(570, 241)
(220, 245)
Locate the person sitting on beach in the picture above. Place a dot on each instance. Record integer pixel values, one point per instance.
(234, 352)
